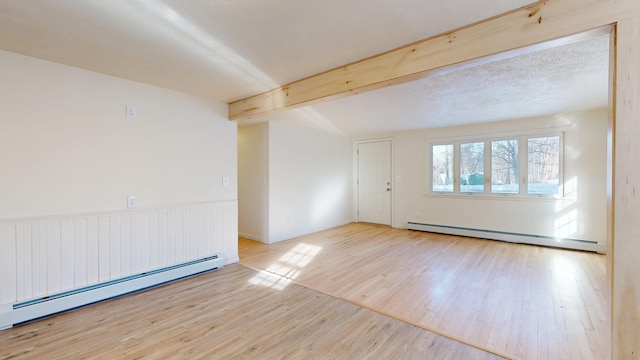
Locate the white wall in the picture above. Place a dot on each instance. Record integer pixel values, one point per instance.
(69, 158)
(582, 215)
(66, 146)
(310, 186)
(293, 181)
(253, 181)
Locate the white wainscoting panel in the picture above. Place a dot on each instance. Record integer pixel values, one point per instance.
(44, 256)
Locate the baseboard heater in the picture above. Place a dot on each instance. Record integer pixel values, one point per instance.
(567, 243)
(21, 312)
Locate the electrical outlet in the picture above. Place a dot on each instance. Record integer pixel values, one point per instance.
(418, 214)
(130, 112)
(132, 202)
(225, 181)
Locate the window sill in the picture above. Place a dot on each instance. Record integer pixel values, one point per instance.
(509, 197)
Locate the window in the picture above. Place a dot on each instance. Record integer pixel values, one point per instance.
(544, 165)
(472, 167)
(442, 160)
(528, 165)
(504, 166)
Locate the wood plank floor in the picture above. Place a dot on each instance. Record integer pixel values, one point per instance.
(232, 313)
(526, 302)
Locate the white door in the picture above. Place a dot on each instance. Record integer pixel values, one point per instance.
(374, 182)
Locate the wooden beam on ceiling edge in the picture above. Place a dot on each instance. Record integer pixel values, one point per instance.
(531, 25)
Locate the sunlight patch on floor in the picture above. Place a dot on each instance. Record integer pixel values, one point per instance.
(301, 255)
(270, 280)
(279, 274)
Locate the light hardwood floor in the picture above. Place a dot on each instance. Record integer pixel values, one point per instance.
(526, 302)
(232, 313)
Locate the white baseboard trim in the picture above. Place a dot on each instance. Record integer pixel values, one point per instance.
(232, 260)
(250, 237)
(315, 230)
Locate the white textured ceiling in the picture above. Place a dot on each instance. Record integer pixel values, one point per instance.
(563, 79)
(225, 50)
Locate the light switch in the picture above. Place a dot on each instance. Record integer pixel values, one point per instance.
(225, 181)
(132, 202)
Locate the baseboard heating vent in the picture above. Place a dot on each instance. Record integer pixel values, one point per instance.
(37, 308)
(567, 243)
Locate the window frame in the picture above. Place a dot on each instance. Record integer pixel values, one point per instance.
(523, 165)
(484, 166)
(431, 167)
(560, 193)
(518, 175)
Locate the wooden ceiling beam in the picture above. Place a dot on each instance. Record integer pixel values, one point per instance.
(534, 24)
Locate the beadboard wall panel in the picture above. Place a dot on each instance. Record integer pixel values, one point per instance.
(46, 256)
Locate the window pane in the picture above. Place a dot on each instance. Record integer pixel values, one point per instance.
(442, 178)
(504, 166)
(472, 167)
(544, 165)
